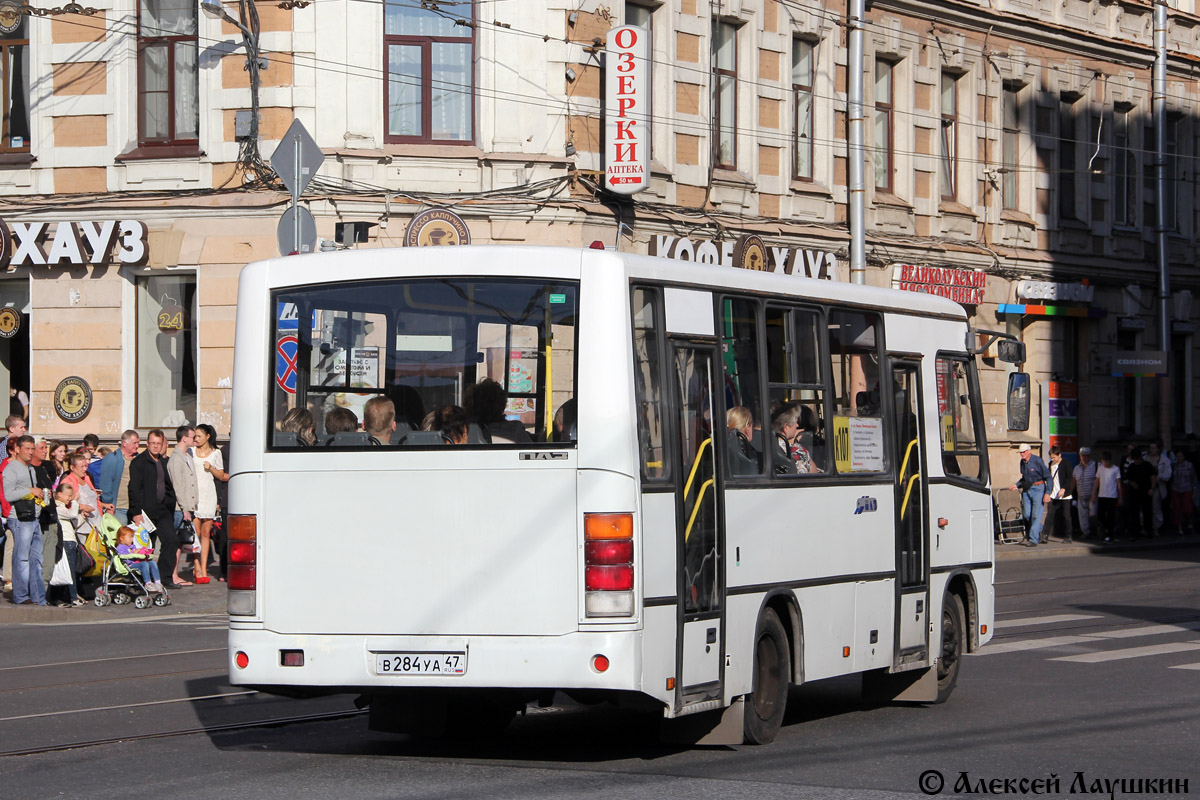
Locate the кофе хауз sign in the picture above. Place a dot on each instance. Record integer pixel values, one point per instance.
(73, 243)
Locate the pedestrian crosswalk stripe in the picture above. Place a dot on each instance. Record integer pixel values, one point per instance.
(1147, 630)
(1131, 652)
(1005, 624)
(1032, 644)
(1187, 666)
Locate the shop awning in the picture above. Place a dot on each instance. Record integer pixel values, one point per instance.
(1091, 312)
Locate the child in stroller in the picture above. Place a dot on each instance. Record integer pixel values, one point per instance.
(130, 574)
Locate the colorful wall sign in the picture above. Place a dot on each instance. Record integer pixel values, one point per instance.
(1063, 417)
(435, 227)
(626, 105)
(963, 286)
(1139, 364)
(1047, 290)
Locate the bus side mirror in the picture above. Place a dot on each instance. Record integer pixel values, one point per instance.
(1018, 401)
(1010, 351)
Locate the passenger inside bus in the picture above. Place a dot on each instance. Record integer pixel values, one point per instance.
(296, 429)
(744, 459)
(564, 422)
(791, 457)
(485, 403)
(341, 426)
(379, 420)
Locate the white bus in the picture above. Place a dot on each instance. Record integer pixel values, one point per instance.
(602, 531)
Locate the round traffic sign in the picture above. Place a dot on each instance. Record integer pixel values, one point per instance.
(285, 363)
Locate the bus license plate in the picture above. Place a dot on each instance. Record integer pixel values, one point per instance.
(421, 663)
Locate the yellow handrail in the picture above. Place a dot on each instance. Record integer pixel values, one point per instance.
(904, 463)
(687, 488)
(904, 504)
(696, 508)
(549, 377)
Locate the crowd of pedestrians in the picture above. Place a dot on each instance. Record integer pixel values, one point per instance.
(1145, 493)
(53, 496)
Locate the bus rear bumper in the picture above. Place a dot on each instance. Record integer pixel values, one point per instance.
(352, 662)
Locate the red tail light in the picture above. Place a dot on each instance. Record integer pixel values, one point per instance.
(608, 564)
(243, 551)
(609, 578)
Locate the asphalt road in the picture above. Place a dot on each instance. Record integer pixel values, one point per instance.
(1094, 669)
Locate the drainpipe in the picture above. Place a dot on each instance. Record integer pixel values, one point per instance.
(854, 139)
(1159, 107)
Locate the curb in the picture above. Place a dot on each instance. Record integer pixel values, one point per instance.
(186, 601)
(1015, 552)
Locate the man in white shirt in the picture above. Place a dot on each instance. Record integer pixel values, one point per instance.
(1162, 484)
(1059, 495)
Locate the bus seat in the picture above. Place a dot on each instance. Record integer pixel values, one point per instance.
(739, 462)
(422, 438)
(403, 428)
(286, 439)
(349, 439)
(510, 429)
(475, 434)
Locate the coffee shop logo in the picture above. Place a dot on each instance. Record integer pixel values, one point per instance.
(10, 322)
(73, 399)
(436, 227)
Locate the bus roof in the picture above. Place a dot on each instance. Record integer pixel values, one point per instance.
(548, 261)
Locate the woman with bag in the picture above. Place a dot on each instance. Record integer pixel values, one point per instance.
(67, 560)
(183, 477)
(209, 470)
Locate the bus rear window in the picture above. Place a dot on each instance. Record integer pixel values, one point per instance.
(430, 362)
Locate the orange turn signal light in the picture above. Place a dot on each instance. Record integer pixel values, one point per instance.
(243, 527)
(608, 526)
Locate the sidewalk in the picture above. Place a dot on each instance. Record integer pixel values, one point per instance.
(1057, 548)
(190, 600)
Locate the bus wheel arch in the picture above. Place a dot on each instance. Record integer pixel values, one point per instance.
(783, 603)
(961, 583)
(766, 704)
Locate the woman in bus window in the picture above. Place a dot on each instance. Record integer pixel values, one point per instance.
(791, 457)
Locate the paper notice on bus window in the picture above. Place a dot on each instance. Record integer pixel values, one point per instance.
(858, 444)
(364, 367)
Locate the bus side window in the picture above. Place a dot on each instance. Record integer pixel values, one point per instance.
(740, 349)
(796, 378)
(958, 405)
(858, 426)
(648, 384)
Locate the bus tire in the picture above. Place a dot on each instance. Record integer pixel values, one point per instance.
(765, 706)
(954, 633)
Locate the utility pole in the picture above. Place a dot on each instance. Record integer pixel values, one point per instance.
(1159, 109)
(856, 193)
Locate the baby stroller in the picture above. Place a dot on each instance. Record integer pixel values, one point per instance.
(120, 583)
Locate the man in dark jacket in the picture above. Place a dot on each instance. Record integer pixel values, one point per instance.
(152, 495)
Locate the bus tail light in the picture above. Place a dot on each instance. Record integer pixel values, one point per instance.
(608, 565)
(242, 573)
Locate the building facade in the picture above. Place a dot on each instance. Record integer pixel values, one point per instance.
(1010, 150)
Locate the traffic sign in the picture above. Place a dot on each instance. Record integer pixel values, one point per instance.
(296, 236)
(297, 158)
(286, 353)
(289, 317)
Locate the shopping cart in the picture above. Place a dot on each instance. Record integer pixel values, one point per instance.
(1010, 524)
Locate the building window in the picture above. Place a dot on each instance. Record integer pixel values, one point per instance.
(1010, 146)
(724, 88)
(1067, 136)
(643, 17)
(166, 350)
(168, 73)
(884, 131)
(804, 61)
(14, 75)
(949, 154)
(430, 91)
(1124, 169)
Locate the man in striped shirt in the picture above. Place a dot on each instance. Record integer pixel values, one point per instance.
(1083, 478)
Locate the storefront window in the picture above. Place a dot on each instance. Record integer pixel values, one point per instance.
(166, 350)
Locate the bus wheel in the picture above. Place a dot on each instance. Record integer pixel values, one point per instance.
(954, 631)
(772, 671)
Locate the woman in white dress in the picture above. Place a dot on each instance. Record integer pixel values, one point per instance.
(209, 468)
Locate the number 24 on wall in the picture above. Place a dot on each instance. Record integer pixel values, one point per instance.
(169, 321)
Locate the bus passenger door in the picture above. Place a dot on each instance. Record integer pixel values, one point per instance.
(700, 561)
(912, 571)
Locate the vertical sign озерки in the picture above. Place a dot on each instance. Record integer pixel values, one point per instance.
(626, 103)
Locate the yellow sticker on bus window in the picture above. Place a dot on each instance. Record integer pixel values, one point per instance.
(948, 432)
(841, 443)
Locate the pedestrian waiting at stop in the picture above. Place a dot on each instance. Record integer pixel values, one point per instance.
(1032, 485)
(20, 486)
(1106, 494)
(1083, 482)
(1058, 498)
(1183, 486)
(1140, 488)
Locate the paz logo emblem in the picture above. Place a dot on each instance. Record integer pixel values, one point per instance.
(750, 252)
(10, 322)
(434, 227)
(10, 16)
(73, 399)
